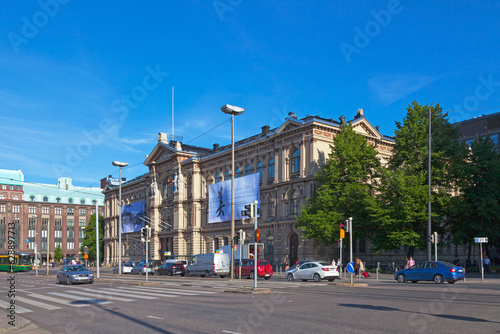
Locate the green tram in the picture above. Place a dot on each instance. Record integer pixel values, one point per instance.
(21, 261)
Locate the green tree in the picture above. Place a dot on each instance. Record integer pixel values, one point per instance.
(475, 209)
(58, 253)
(90, 238)
(345, 188)
(402, 200)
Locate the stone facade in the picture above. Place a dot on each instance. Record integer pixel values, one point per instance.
(176, 190)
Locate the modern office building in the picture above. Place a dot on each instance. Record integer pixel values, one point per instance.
(60, 211)
(175, 190)
(480, 126)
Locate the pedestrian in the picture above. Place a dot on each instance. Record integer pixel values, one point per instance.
(361, 268)
(333, 262)
(411, 262)
(356, 268)
(406, 263)
(487, 265)
(456, 261)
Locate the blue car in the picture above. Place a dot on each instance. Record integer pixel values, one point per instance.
(437, 271)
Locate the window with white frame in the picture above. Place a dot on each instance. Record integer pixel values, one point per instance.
(2, 207)
(295, 161)
(58, 211)
(70, 211)
(45, 210)
(32, 209)
(270, 169)
(81, 212)
(16, 209)
(70, 245)
(15, 198)
(2, 196)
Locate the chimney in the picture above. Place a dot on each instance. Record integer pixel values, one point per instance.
(216, 146)
(359, 114)
(265, 128)
(291, 114)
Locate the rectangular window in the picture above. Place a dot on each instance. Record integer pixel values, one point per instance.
(45, 210)
(2, 207)
(70, 211)
(70, 223)
(82, 212)
(32, 209)
(18, 187)
(4, 187)
(58, 211)
(16, 209)
(11, 187)
(70, 245)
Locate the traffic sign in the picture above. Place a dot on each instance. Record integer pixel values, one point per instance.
(37, 261)
(27, 240)
(86, 256)
(342, 233)
(483, 240)
(350, 267)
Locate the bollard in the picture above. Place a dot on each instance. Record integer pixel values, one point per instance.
(378, 267)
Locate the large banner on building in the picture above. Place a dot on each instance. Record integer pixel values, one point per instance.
(246, 190)
(133, 217)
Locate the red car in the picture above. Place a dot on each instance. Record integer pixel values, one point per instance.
(264, 269)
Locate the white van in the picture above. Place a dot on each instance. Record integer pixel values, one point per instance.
(208, 265)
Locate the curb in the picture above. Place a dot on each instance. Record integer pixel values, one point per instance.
(349, 284)
(25, 323)
(248, 291)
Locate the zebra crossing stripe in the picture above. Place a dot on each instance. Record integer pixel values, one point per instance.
(180, 291)
(19, 309)
(142, 292)
(158, 290)
(56, 300)
(113, 292)
(37, 304)
(80, 299)
(96, 294)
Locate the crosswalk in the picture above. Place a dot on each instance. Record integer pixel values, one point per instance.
(77, 297)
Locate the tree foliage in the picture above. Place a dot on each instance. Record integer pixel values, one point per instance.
(345, 188)
(90, 238)
(58, 253)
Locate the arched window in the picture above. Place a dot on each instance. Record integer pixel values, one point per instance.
(226, 241)
(296, 161)
(45, 199)
(32, 198)
(15, 198)
(237, 172)
(226, 175)
(58, 200)
(248, 170)
(218, 178)
(2, 196)
(70, 201)
(259, 169)
(270, 169)
(94, 202)
(216, 244)
(82, 201)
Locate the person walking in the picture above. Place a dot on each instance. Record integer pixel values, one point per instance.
(356, 268)
(361, 268)
(487, 265)
(406, 263)
(411, 262)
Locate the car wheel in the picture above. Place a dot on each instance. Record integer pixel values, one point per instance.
(91, 282)
(414, 281)
(401, 278)
(451, 282)
(188, 273)
(290, 277)
(222, 276)
(207, 273)
(58, 280)
(267, 278)
(252, 275)
(169, 273)
(331, 279)
(438, 279)
(67, 281)
(316, 278)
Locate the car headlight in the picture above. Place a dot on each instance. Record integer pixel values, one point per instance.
(91, 275)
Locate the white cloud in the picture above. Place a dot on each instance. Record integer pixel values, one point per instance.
(390, 88)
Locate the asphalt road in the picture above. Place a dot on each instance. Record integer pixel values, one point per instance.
(199, 305)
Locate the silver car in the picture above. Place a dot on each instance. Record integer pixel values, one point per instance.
(313, 270)
(75, 274)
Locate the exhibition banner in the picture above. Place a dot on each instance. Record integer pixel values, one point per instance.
(133, 217)
(246, 191)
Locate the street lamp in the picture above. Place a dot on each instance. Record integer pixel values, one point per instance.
(120, 164)
(233, 111)
(36, 250)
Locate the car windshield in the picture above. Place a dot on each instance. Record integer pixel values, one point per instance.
(325, 264)
(263, 263)
(77, 268)
(448, 264)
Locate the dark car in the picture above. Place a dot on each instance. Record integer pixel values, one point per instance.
(171, 268)
(437, 271)
(75, 274)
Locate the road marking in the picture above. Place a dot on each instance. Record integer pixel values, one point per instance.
(143, 292)
(56, 300)
(18, 309)
(183, 290)
(37, 304)
(150, 316)
(224, 331)
(80, 299)
(113, 292)
(176, 292)
(97, 295)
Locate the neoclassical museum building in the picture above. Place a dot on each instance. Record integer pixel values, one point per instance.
(175, 191)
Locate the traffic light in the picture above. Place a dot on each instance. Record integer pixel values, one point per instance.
(242, 235)
(257, 235)
(148, 232)
(249, 211)
(144, 234)
(342, 233)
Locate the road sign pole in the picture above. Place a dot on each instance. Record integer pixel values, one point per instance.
(147, 250)
(435, 246)
(482, 264)
(350, 245)
(256, 259)
(340, 260)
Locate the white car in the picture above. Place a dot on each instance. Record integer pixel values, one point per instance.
(126, 268)
(314, 270)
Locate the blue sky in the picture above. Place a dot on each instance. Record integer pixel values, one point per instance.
(86, 83)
